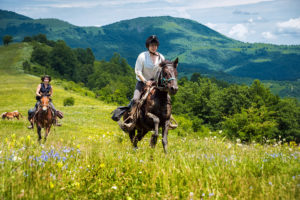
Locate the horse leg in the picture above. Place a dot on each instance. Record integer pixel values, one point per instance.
(165, 129)
(138, 137)
(132, 135)
(39, 132)
(154, 136)
(47, 131)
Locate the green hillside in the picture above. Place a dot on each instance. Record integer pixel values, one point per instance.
(200, 49)
(90, 158)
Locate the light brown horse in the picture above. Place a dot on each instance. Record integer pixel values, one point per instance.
(157, 109)
(11, 115)
(44, 117)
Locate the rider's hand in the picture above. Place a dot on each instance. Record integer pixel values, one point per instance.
(149, 83)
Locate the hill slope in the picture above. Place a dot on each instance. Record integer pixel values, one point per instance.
(90, 158)
(199, 48)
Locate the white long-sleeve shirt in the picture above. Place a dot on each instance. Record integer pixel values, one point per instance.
(145, 67)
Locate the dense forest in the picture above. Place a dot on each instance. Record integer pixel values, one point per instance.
(250, 113)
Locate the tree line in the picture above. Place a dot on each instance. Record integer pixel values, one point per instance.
(250, 113)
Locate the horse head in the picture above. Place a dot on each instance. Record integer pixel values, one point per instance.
(3, 115)
(45, 102)
(168, 76)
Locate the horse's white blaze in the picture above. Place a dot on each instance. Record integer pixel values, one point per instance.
(44, 108)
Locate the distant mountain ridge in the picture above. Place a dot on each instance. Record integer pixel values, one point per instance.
(199, 48)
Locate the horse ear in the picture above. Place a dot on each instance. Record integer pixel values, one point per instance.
(176, 62)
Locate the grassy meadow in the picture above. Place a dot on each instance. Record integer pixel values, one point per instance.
(89, 157)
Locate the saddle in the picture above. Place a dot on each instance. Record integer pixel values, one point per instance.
(135, 112)
(129, 123)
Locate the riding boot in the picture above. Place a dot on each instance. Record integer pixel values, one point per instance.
(31, 125)
(55, 121)
(130, 121)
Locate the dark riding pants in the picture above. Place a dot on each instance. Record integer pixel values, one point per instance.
(138, 91)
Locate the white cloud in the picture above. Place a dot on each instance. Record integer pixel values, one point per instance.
(290, 24)
(250, 20)
(182, 12)
(211, 25)
(268, 35)
(239, 30)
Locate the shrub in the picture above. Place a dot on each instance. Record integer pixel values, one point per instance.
(253, 124)
(69, 101)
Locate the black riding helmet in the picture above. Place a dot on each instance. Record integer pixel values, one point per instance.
(152, 39)
(46, 76)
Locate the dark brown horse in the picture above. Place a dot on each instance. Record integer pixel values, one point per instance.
(156, 110)
(44, 117)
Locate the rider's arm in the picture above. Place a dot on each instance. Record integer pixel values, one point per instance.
(51, 92)
(38, 90)
(139, 67)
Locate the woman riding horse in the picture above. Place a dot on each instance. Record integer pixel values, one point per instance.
(146, 67)
(45, 89)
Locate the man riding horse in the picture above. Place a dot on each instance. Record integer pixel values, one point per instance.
(43, 89)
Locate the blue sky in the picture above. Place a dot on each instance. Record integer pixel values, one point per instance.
(268, 21)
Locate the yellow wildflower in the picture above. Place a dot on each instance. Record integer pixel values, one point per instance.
(59, 164)
(51, 185)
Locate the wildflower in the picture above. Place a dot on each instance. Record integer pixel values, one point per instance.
(78, 146)
(228, 146)
(66, 150)
(102, 165)
(270, 183)
(203, 194)
(293, 143)
(51, 185)
(114, 187)
(211, 194)
(251, 188)
(59, 164)
(238, 140)
(77, 184)
(16, 158)
(220, 131)
(52, 176)
(129, 198)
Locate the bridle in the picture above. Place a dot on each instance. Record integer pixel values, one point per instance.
(164, 81)
(41, 105)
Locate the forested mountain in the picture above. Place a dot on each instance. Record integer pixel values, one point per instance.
(199, 48)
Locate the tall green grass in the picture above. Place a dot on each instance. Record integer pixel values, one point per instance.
(89, 157)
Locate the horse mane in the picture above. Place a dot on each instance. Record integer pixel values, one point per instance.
(165, 62)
